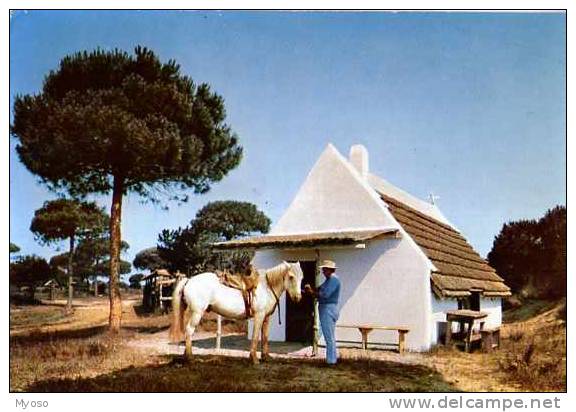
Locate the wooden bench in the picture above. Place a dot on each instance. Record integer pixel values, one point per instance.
(490, 339)
(366, 329)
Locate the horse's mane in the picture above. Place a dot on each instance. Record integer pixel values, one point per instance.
(276, 274)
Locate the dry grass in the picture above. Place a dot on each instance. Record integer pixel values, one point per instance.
(50, 353)
(47, 344)
(38, 316)
(532, 356)
(224, 374)
(535, 357)
(51, 357)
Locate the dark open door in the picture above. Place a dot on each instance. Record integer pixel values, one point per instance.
(475, 301)
(300, 316)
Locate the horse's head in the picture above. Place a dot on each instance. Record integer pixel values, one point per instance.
(293, 280)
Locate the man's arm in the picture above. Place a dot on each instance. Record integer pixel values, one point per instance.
(328, 288)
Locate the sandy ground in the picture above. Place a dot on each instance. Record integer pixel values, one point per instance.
(149, 334)
(238, 345)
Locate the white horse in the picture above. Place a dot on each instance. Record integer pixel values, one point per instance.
(205, 290)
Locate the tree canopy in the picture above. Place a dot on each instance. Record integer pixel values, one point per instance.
(189, 249)
(110, 121)
(103, 268)
(149, 259)
(109, 114)
(29, 270)
(89, 257)
(135, 280)
(531, 255)
(69, 219)
(14, 248)
(62, 219)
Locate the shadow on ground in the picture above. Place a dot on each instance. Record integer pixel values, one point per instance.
(241, 342)
(227, 374)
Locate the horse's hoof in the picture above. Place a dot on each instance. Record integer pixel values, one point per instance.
(265, 358)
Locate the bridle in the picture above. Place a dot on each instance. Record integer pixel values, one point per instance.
(275, 297)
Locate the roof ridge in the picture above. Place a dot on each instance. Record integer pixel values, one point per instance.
(458, 266)
(422, 215)
(384, 187)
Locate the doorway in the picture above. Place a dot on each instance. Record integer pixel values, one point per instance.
(300, 316)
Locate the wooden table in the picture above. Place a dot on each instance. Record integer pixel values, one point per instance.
(366, 329)
(464, 317)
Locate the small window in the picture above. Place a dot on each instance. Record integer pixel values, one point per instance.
(464, 303)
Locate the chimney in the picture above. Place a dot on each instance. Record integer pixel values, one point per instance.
(359, 159)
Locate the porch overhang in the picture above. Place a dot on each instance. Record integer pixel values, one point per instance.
(314, 240)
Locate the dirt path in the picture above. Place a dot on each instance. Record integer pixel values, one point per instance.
(147, 335)
(88, 313)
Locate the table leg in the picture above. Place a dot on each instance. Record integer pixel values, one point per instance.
(364, 333)
(401, 341)
(468, 336)
(448, 332)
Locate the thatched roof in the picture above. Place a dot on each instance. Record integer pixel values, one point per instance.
(306, 239)
(159, 272)
(460, 269)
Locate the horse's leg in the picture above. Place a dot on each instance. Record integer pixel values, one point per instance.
(258, 319)
(190, 328)
(264, 338)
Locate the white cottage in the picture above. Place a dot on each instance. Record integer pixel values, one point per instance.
(401, 262)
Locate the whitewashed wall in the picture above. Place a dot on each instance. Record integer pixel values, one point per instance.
(387, 283)
(493, 306)
(334, 197)
(439, 308)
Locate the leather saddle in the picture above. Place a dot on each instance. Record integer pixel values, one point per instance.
(245, 282)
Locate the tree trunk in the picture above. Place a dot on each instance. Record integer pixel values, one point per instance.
(70, 274)
(96, 279)
(115, 241)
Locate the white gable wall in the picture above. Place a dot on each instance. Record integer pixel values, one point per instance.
(334, 197)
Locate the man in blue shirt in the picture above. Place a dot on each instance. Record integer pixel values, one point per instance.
(328, 294)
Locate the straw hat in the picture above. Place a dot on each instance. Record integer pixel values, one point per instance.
(328, 264)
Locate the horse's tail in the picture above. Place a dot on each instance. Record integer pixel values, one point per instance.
(178, 309)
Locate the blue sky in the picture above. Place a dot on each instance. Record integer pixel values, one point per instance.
(469, 106)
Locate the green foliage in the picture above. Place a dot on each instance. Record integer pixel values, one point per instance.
(531, 255)
(14, 248)
(135, 280)
(109, 121)
(89, 256)
(229, 219)
(30, 270)
(149, 259)
(103, 268)
(62, 219)
(189, 249)
(107, 114)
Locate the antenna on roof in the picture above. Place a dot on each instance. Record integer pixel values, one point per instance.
(433, 198)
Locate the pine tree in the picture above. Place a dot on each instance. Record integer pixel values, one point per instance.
(68, 219)
(112, 122)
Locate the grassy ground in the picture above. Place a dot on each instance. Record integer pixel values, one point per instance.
(40, 316)
(532, 355)
(226, 374)
(48, 353)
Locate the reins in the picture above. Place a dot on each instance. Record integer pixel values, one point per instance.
(277, 299)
